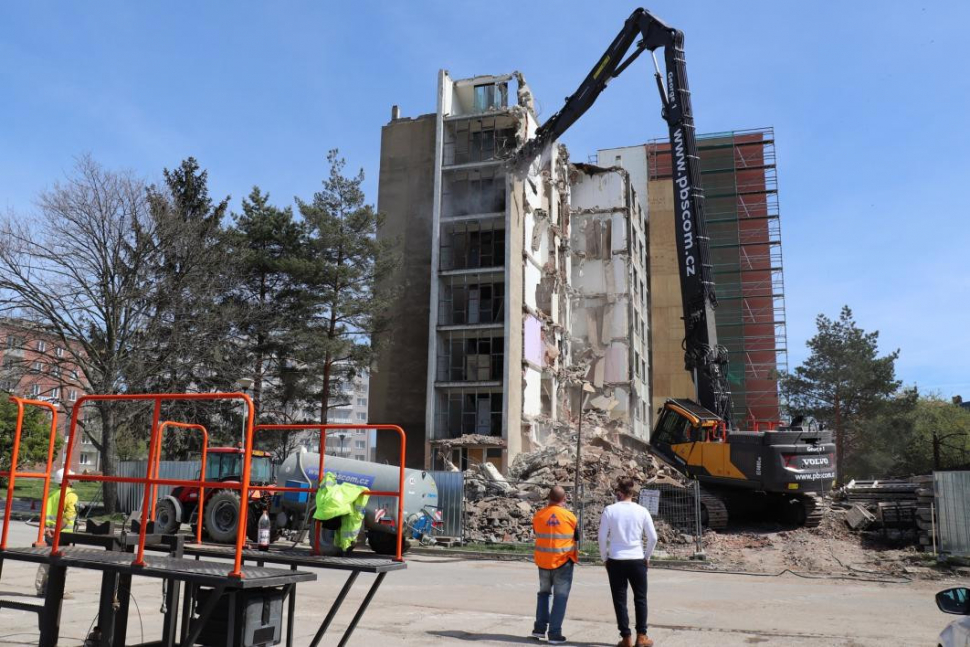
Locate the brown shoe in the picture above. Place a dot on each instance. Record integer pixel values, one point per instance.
(625, 642)
(644, 641)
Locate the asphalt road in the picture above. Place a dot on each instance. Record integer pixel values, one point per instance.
(452, 602)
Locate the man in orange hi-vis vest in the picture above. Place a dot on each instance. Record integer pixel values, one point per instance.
(555, 553)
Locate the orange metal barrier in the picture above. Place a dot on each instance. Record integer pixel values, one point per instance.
(13, 474)
(149, 482)
(323, 429)
(158, 460)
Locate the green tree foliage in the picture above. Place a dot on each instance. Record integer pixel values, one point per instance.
(844, 384)
(941, 431)
(270, 252)
(914, 435)
(34, 436)
(348, 265)
(192, 338)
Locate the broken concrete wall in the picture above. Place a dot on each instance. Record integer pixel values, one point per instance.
(608, 302)
(545, 300)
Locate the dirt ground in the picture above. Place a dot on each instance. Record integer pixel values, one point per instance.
(768, 547)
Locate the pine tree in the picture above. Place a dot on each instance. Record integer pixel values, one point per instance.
(269, 251)
(843, 383)
(348, 264)
(193, 310)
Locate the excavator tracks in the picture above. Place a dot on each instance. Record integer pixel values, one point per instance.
(714, 512)
(813, 511)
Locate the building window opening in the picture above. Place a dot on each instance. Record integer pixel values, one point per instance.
(471, 141)
(472, 245)
(471, 303)
(473, 192)
(462, 413)
(491, 96)
(471, 359)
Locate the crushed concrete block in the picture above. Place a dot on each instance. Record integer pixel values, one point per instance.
(859, 518)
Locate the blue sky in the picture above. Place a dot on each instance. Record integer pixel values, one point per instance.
(869, 101)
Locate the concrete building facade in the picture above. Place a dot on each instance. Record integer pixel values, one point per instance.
(488, 249)
(398, 379)
(497, 297)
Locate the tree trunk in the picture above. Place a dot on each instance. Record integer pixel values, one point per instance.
(109, 453)
(325, 398)
(839, 442)
(936, 451)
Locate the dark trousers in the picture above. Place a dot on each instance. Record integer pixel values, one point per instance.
(632, 572)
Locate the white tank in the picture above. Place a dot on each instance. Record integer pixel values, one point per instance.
(301, 467)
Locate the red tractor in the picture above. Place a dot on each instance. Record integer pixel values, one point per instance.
(221, 509)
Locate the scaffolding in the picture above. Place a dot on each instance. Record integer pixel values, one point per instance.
(740, 184)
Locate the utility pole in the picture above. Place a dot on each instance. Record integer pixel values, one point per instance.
(577, 485)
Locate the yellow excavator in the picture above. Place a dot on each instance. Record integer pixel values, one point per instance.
(778, 472)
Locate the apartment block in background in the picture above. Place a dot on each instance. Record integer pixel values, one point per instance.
(351, 443)
(739, 179)
(34, 364)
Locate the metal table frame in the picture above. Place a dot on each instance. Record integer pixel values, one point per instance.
(118, 570)
(303, 557)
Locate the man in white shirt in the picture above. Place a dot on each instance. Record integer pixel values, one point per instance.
(623, 527)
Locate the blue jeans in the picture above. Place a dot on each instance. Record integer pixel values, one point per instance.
(555, 584)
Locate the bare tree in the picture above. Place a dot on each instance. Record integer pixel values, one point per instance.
(82, 270)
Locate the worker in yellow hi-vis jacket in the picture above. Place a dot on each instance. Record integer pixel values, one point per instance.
(50, 522)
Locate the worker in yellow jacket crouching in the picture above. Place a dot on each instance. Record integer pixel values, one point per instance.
(338, 517)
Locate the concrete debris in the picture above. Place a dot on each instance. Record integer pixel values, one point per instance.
(524, 94)
(858, 518)
(500, 510)
(903, 506)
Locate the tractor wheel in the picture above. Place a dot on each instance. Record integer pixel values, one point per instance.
(222, 516)
(166, 517)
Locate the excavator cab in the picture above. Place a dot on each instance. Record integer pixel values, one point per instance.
(680, 426)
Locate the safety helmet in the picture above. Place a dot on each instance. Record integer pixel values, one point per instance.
(58, 476)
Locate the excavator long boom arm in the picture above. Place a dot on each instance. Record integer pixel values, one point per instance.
(703, 357)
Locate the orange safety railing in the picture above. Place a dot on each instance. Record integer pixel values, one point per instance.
(148, 482)
(323, 429)
(158, 461)
(13, 474)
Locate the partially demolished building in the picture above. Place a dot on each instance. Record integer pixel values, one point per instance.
(492, 365)
(610, 300)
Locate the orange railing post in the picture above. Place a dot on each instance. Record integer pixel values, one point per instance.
(158, 462)
(13, 475)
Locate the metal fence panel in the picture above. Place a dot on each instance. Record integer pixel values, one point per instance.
(130, 494)
(451, 499)
(952, 491)
(677, 507)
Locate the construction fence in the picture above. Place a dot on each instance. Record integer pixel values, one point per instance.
(130, 494)
(498, 516)
(952, 493)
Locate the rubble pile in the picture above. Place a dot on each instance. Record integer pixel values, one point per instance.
(499, 509)
(897, 507)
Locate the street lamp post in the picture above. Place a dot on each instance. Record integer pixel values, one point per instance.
(342, 436)
(580, 503)
(244, 384)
